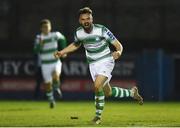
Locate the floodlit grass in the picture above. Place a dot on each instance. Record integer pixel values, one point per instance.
(30, 113)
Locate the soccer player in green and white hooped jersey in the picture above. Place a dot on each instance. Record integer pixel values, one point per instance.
(96, 40)
(46, 43)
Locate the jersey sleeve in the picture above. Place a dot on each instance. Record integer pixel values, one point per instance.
(76, 40)
(108, 35)
(62, 43)
(37, 46)
(59, 35)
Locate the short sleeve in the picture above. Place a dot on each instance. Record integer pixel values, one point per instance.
(37, 46)
(76, 40)
(37, 40)
(59, 35)
(62, 42)
(108, 35)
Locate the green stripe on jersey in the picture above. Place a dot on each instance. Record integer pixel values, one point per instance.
(49, 40)
(97, 50)
(105, 56)
(92, 39)
(48, 51)
(49, 61)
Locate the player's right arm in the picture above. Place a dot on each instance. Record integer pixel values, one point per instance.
(70, 48)
(38, 44)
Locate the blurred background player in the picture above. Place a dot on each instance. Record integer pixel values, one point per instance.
(96, 40)
(47, 43)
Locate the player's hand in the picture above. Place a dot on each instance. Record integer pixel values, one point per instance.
(59, 54)
(64, 56)
(116, 55)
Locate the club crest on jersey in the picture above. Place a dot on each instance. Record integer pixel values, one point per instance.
(97, 39)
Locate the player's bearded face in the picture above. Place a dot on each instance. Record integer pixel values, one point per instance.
(86, 21)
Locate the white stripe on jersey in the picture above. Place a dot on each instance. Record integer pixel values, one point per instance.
(50, 45)
(95, 56)
(95, 49)
(95, 45)
(48, 56)
(81, 34)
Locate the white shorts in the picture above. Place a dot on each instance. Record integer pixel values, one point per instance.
(102, 67)
(48, 69)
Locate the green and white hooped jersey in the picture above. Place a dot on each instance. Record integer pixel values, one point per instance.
(51, 43)
(96, 43)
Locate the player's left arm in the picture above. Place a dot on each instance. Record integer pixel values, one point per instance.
(119, 49)
(62, 42)
(38, 44)
(113, 41)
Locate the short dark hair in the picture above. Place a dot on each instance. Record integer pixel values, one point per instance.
(45, 21)
(85, 10)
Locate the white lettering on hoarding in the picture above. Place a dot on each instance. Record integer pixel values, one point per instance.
(70, 68)
(16, 67)
(75, 68)
(124, 69)
(7, 68)
(12, 67)
(27, 68)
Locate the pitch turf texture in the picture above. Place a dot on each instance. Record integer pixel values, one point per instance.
(30, 113)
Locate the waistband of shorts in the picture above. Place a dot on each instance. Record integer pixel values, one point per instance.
(50, 61)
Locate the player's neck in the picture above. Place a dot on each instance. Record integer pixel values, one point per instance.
(45, 33)
(89, 30)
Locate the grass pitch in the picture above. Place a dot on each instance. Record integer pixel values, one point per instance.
(30, 113)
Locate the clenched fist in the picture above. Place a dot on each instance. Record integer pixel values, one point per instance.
(116, 54)
(59, 54)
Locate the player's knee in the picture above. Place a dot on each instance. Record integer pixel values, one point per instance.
(97, 88)
(107, 93)
(48, 86)
(55, 76)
